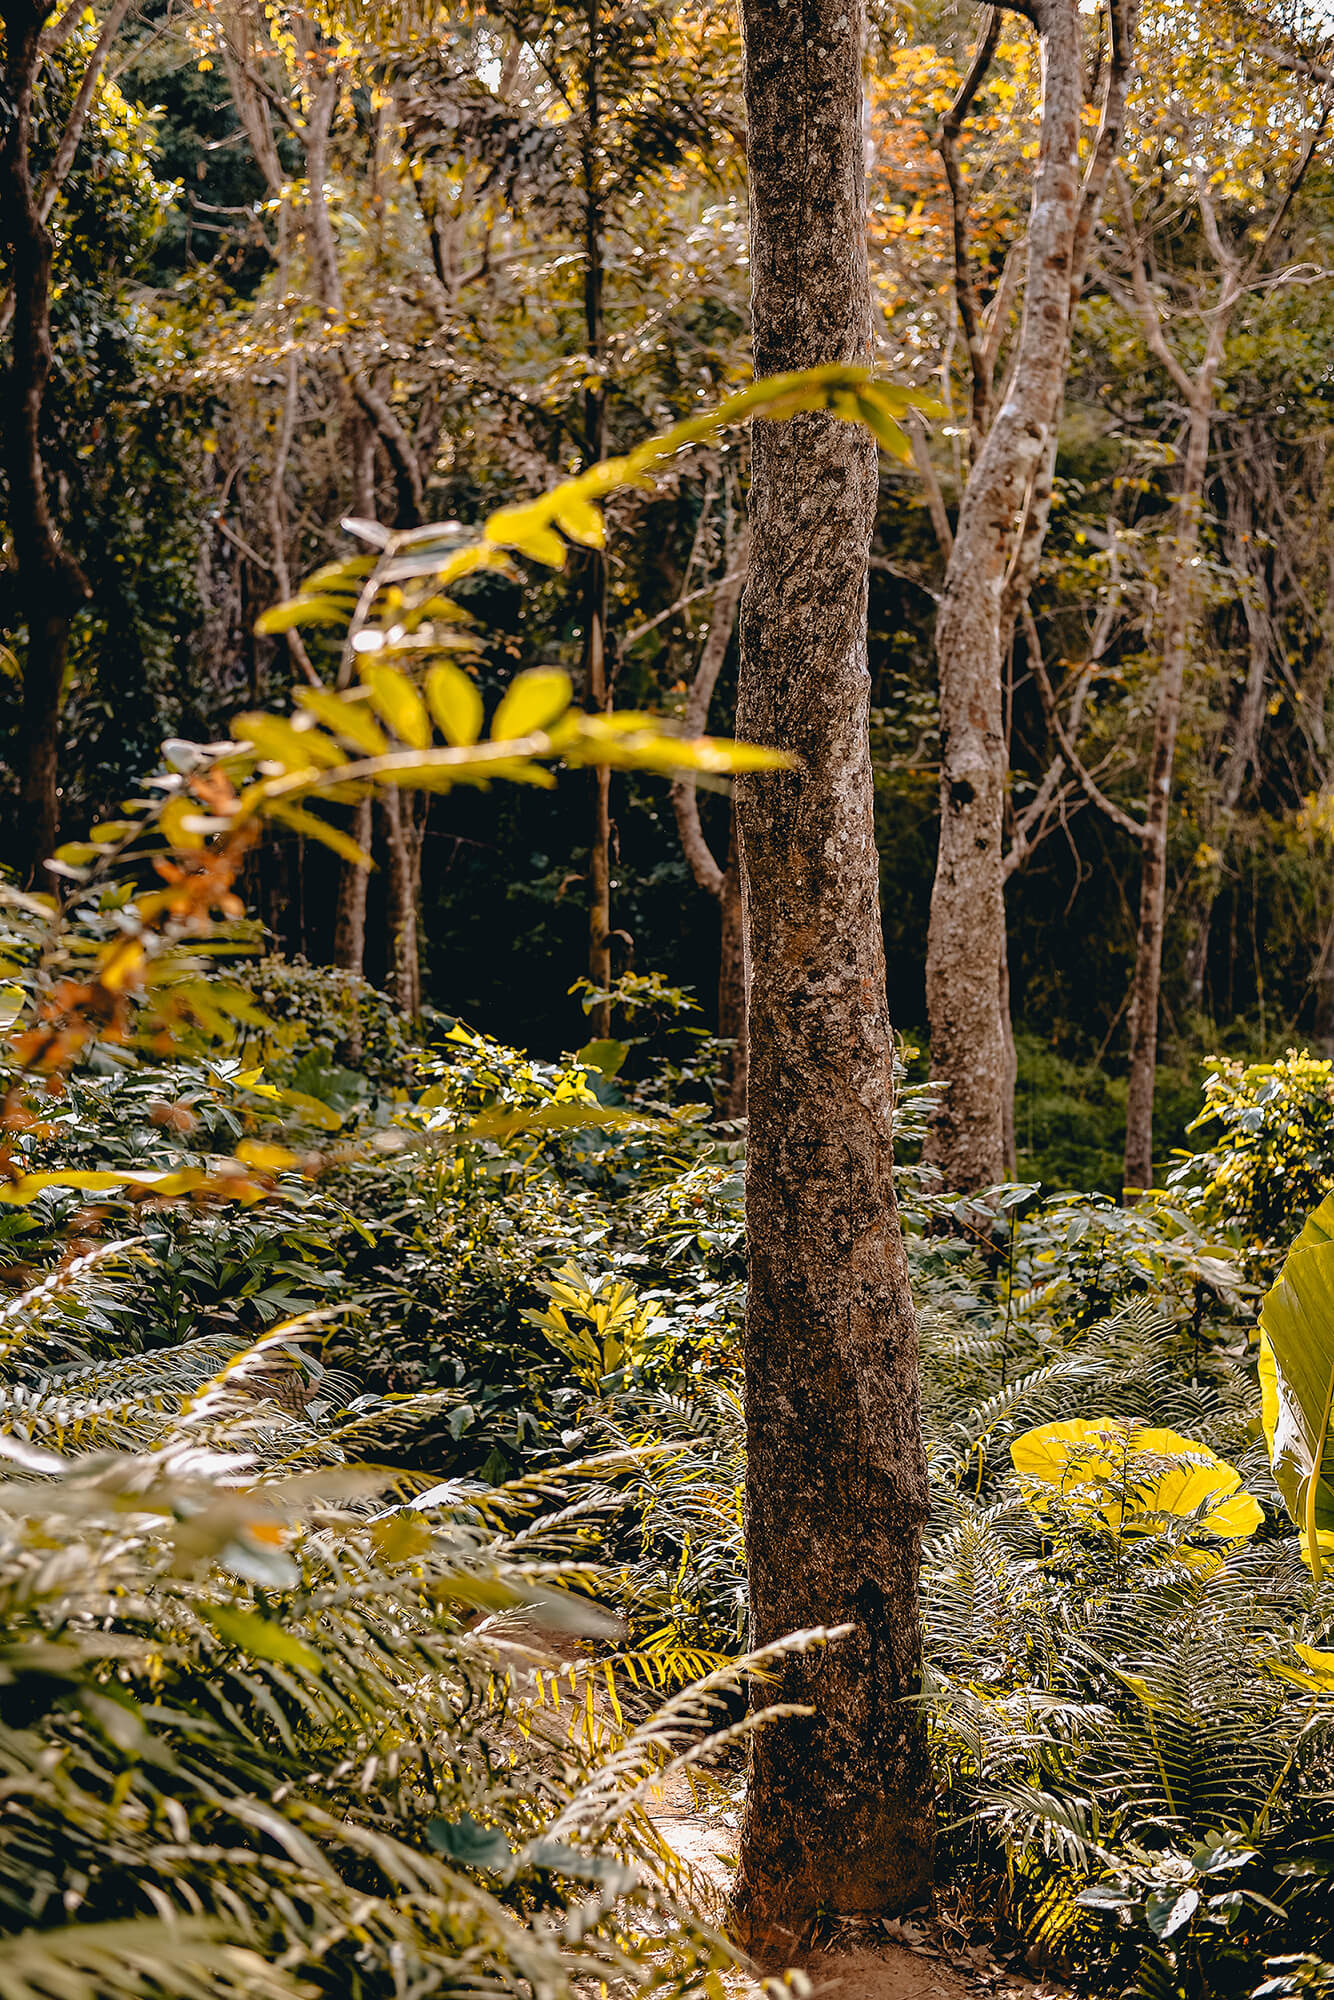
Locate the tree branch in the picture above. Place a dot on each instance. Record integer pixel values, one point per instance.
(965, 291)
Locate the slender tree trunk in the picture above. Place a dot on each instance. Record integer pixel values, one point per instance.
(723, 884)
(1010, 1148)
(349, 950)
(966, 938)
(733, 1021)
(1146, 984)
(597, 683)
(838, 1814)
(1244, 747)
(404, 844)
(49, 583)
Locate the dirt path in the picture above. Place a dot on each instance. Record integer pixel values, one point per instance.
(913, 1963)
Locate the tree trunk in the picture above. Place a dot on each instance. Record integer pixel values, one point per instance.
(1245, 745)
(597, 685)
(49, 583)
(349, 950)
(1147, 980)
(404, 842)
(723, 884)
(732, 998)
(965, 942)
(838, 1814)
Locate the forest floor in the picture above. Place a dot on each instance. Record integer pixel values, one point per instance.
(915, 1962)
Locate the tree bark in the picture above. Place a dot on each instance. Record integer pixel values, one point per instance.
(966, 937)
(49, 582)
(733, 1007)
(597, 684)
(1245, 744)
(349, 949)
(838, 1814)
(1146, 983)
(723, 884)
(403, 838)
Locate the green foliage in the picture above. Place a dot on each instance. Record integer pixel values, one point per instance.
(292, 1726)
(1297, 1383)
(1271, 1156)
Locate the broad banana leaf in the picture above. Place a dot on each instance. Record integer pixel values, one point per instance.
(1297, 1383)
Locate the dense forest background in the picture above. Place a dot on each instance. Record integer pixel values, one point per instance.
(313, 266)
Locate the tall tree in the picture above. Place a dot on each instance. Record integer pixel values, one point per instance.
(997, 545)
(50, 585)
(836, 1491)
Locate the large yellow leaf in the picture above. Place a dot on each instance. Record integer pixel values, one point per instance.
(1114, 1470)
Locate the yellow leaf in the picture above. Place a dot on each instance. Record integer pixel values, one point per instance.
(266, 1159)
(455, 703)
(315, 828)
(348, 718)
(398, 703)
(524, 529)
(533, 702)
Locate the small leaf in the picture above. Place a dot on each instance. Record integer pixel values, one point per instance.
(314, 828)
(300, 611)
(262, 1638)
(1168, 1910)
(264, 1158)
(455, 703)
(533, 702)
(467, 1841)
(398, 703)
(347, 717)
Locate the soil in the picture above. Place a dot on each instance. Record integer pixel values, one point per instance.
(915, 1961)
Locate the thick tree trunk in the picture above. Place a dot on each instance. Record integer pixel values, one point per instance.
(1146, 984)
(966, 938)
(50, 584)
(838, 1815)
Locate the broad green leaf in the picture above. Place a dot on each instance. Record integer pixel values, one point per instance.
(455, 703)
(1297, 1382)
(398, 703)
(606, 1057)
(534, 701)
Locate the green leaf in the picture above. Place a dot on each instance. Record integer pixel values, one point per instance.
(606, 1057)
(455, 703)
(1169, 1910)
(534, 701)
(1297, 1383)
(466, 1840)
(262, 1638)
